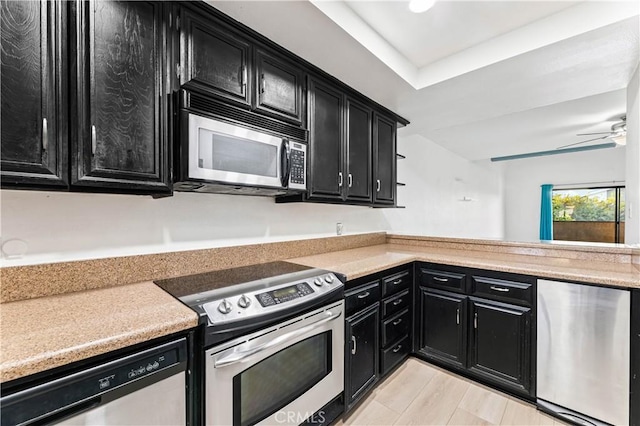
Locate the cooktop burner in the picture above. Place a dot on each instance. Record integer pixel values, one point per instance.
(254, 293)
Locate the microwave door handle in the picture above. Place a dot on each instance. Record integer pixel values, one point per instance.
(285, 162)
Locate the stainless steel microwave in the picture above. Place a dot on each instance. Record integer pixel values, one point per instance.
(221, 157)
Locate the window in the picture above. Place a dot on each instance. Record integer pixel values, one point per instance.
(589, 214)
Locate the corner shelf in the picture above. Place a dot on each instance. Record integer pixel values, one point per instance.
(401, 184)
(400, 156)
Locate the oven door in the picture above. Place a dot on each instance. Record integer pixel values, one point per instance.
(223, 152)
(280, 375)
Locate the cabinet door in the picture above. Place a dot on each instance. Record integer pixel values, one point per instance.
(384, 164)
(358, 151)
(280, 88)
(120, 139)
(500, 343)
(34, 145)
(442, 326)
(325, 141)
(215, 57)
(362, 345)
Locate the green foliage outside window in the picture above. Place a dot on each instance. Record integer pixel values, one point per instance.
(584, 208)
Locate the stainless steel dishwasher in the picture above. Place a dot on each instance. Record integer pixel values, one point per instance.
(145, 388)
(583, 352)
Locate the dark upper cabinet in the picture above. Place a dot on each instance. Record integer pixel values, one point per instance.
(215, 57)
(326, 154)
(442, 326)
(280, 87)
(358, 145)
(384, 162)
(500, 342)
(120, 109)
(34, 141)
(361, 353)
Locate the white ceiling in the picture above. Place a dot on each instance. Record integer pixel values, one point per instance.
(450, 26)
(481, 78)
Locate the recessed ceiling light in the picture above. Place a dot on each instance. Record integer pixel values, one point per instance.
(419, 6)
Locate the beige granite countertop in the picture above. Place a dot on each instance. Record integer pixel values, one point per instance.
(359, 262)
(48, 332)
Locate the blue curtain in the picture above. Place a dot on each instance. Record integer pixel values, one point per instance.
(546, 213)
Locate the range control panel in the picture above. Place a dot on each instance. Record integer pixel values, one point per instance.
(260, 302)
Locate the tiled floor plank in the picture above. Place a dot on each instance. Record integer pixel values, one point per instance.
(484, 403)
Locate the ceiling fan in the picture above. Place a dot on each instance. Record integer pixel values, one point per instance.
(617, 137)
(618, 134)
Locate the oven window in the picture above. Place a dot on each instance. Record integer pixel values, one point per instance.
(235, 155)
(274, 382)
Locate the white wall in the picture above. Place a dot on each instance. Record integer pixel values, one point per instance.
(522, 180)
(67, 226)
(632, 227)
(437, 182)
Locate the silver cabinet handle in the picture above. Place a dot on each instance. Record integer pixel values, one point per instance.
(396, 282)
(244, 77)
(340, 179)
(363, 295)
(396, 322)
(442, 280)
(45, 134)
(458, 316)
(378, 185)
(475, 320)
(94, 140)
(397, 349)
(350, 180)
(178, 69)
(355, 345)
(262, 88)
(236, 357)
(502, 289)
(397, 302)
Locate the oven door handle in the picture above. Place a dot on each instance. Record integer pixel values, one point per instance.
(240, 356)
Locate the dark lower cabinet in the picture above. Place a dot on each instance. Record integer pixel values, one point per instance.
(33, 79)
(361, 353)
(500, 342)
(119, 111)
(442, 330)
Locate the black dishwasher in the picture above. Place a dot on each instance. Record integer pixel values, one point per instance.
(145, 388)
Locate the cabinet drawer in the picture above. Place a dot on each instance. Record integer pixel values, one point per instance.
(395, 283)
(503, 290)
(395, 327)
(440, 279)
(362, 296)
(395, 304)
(394, 354)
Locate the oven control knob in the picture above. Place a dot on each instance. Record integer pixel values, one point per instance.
(328, 279)
(244, 302)
(225, 307)
(317, 282)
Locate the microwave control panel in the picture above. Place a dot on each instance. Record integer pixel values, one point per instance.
(298, 169)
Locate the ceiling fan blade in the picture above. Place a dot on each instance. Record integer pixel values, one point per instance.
(589, 134)
(581, 142)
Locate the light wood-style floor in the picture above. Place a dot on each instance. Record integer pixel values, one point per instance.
(418, 393)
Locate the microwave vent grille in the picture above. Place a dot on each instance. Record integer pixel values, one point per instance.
(205, 104)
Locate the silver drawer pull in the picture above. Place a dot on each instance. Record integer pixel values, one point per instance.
(458, 316)
(397, 349)
(94, 140)
(355, 347)
(363, 295)
(340, 179)
(350, 180)
(396, 282)
(502, 289)
(45, 134)
(397, 302)
(396, 322)
(378, 185)
(475, 320)
(442, 280)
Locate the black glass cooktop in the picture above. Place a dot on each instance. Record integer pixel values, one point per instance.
(189, 285)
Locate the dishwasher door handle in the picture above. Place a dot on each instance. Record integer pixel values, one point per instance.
(236, 357)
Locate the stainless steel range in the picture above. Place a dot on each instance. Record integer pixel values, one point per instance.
(273, 343)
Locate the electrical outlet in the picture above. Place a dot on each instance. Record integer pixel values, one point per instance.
(339, 228)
